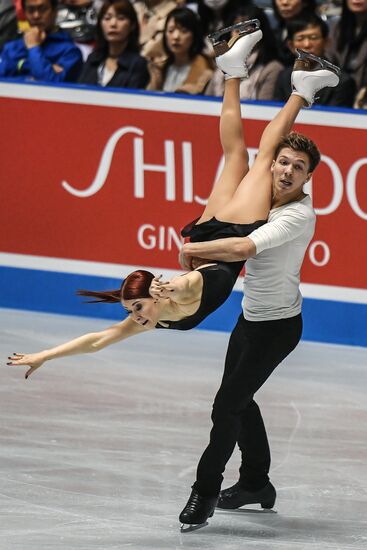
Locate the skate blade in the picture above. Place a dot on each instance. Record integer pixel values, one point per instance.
(249, 511)
(243, 27)
(188, 528)
(324, 64)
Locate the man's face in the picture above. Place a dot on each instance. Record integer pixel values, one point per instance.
(290, 172)
(310, 40)
(39, 13)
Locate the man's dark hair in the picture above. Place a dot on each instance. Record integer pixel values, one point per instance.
(53, 4)
(307, 20)
(301, 143)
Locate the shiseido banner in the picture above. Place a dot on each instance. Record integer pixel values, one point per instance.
(112, 177)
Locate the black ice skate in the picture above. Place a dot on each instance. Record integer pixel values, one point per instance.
(235, 497)
(197, 510)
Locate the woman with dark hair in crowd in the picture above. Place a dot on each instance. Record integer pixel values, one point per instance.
(238, 206)
(264, 66)
(116, 62)
(216, 14)
(349, 40)
(185, 68)
(284, 12)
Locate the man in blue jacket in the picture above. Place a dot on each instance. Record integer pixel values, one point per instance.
(43, 52)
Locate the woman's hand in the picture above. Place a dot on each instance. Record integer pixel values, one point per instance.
(158, 289)
(33, 360)
(155, 288)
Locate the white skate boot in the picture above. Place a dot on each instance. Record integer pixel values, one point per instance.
(231, 57)
(311, 74)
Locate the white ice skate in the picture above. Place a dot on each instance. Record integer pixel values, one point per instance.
(311, 74)
(231, 56)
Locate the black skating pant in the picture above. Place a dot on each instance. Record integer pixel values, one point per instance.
(254, 350)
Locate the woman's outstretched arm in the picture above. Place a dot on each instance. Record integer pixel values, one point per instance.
(88, 343)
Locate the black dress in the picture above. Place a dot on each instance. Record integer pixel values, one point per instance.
(219, 278)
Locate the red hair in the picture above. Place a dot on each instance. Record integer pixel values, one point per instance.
(136, 285)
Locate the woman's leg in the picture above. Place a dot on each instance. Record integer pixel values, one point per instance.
(252, 199)
(234, 150)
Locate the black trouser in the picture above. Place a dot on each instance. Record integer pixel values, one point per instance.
(254, 350)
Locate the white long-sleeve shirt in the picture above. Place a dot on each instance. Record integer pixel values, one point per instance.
(271, 284)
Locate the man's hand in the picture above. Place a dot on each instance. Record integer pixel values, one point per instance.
(34, 37)
(185, 260)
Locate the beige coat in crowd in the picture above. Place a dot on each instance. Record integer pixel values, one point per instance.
(201, 72)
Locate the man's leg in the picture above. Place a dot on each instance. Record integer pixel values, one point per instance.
(248, 364)
(254, 485)
(255, 450)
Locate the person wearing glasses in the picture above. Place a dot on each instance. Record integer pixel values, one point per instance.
(311, 34)
(43, 52)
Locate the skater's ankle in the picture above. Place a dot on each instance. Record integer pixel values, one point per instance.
(205, 492)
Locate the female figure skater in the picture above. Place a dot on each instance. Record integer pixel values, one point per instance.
(238, 204)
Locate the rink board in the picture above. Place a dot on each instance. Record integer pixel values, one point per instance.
(99, 182)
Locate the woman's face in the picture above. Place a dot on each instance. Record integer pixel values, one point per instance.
(143, 311)
(179, 39)
(289, 8)
(357, 6)
(116, 27)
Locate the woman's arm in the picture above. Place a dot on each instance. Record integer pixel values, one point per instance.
(88, 343)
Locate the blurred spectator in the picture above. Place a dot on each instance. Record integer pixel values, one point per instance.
(284, 12)
(327, 9)
(116, 61)
(263, 64)
(186, 69)
(216, 14)
(361, 99)
(349, 40)
(43, 52)
(311, 35)
(152, 16)
(22, 21)
(8, 22)
(79, 19)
